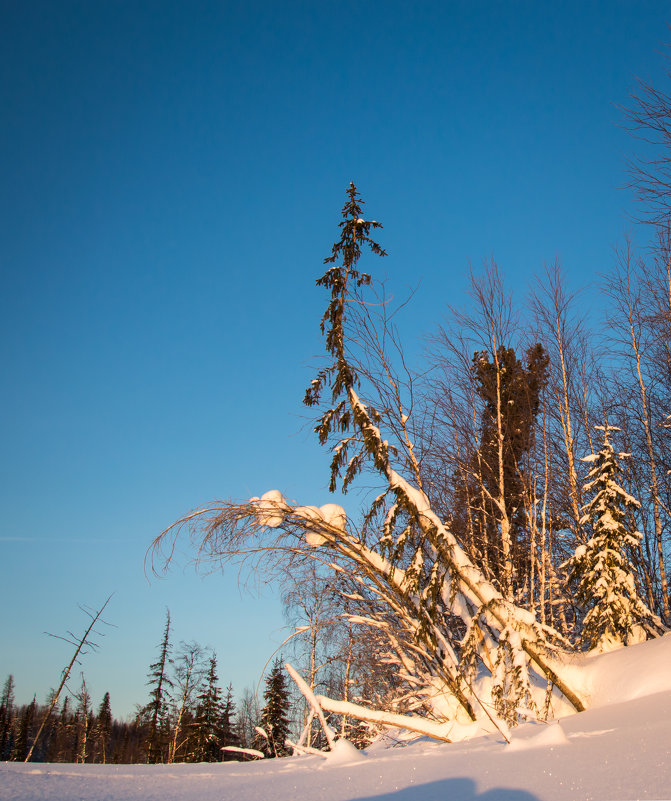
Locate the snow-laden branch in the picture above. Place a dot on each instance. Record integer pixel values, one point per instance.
(467, 581)
(438, 731)
(314, 703)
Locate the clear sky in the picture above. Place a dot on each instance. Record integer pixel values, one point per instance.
(172, 178)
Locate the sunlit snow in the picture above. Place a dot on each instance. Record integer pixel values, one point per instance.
(618, 749)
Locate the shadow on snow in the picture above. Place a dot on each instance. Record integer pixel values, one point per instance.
(452, 790)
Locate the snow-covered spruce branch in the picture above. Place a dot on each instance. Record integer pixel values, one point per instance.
(250, 752)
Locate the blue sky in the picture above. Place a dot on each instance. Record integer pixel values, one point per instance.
(172, 177)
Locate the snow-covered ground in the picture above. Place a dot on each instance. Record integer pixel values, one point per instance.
(619, 749)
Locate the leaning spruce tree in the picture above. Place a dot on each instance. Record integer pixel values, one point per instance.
(437, 581)
(602, 568)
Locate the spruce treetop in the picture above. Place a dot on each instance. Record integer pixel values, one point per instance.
(355, 232)
(341, 375)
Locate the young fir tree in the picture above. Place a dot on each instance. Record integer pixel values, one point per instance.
(602, 568)
(229, 727)
(208, 724)
(156, 709)
(42, 746)
(84, 720)
(274, 722)
(103, 730)
(63, 744)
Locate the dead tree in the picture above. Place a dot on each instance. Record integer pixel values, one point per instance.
(81, 644)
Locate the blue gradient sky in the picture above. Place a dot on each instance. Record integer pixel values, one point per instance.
(172, 176)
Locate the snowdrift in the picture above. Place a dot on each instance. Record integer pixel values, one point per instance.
(619, 749)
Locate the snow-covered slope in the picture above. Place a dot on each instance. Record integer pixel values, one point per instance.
(619, 749)
(625, 674)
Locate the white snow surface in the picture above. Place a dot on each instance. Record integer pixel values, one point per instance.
(619, 749)
(624, 674)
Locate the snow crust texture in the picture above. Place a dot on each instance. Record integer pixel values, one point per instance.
(619, 750)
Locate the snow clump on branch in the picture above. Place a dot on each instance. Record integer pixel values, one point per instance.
(272, 509)
(331, 514)
(269, 508)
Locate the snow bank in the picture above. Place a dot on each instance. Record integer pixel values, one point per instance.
(619, 750)
(545, 735)
(344, 753)
(624, 674)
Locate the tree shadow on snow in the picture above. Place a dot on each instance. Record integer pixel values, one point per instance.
(452, 790)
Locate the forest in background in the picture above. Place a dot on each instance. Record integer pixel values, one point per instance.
(188, 717)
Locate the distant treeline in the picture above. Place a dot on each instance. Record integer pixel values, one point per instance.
(187, 718)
